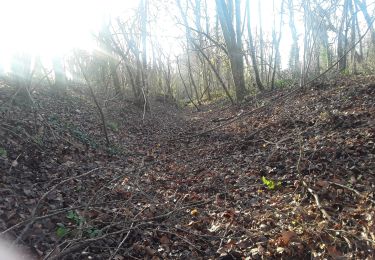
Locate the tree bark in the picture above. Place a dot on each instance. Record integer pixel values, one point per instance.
(60, 77)
(252, 50)
(233, 42)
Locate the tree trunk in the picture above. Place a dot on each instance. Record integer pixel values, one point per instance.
(363, 6)
(341, 40)
(277, 49)
(252, 50)
(189, 42)
(294, 53)
(261, 44)
(60, 77)
(233, 43)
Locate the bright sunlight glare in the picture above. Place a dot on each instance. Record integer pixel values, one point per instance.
(51, 27)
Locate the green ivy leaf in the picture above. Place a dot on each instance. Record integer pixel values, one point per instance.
(71, 215)
(75, 217)
(3, 152)
(62, 231)
(94, 232)
(271, 185)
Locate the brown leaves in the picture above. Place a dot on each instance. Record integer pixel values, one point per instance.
(322, 183)
(287, 237)
(160, 184)
(194, 212)
(334, 252)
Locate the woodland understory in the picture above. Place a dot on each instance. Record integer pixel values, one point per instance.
(190, 129)
(288, 174)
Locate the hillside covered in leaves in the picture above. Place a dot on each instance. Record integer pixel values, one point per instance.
(286, 174)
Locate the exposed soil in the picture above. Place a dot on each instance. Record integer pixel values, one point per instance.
(188, 185)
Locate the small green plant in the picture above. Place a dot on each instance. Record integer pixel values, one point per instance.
(62, 231)
(113, 126)
(3, 152)
(271, 185)
(77, 220)
(75, 217)
(114, 150)
(82, 136)
(93, 232)
(53, 119)
(283, 83)
(345, 72)
(38, 139)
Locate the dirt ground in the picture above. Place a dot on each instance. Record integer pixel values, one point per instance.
(286, 175)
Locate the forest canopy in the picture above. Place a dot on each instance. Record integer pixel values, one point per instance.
(189, 50)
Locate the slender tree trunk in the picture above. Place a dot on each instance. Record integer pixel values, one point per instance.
(189, 42)
(261, 43)
(60, 77)
(115, 78)
(294, 53)
(184, 84)
(363, 6)
(360, 55)
(216, 73)
(341, 40)
(277, 45)
(233, 43)
(144, 73)
(252, 50)
(100, 110)
(353, 16)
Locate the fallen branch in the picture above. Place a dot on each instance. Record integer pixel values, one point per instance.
(34, 212)
(317, 202)
(353, 190)
(182, 238)
(125, 237)
(78, 243)
(217, 120)
(121, 243)
(311, 191)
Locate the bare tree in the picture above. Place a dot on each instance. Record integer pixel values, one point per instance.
(363, 7)
(342, 37)
(276, 42)
(294, 53)
(60, 77)
(252, 50)
(83, 69)
(232, 35)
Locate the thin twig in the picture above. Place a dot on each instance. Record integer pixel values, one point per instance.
(121, 243)
(78, 243)
(353, 190)
(182, 238)
(43, 197)
(125, 237)
(317, 201)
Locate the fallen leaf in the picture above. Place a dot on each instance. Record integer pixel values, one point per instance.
(150, 251)
(164, 240)
(287, 237)
(333, 252)
(322, 183)
(194, 212)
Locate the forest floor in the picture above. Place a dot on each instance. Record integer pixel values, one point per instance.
(290, 174)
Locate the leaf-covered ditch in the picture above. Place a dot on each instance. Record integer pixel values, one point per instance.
(290, 175)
